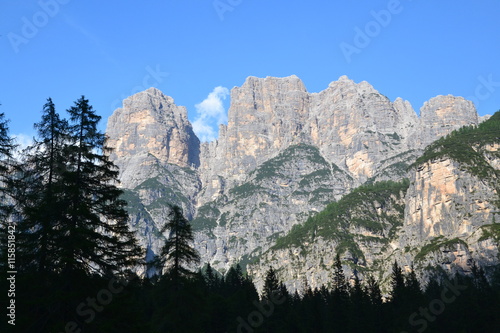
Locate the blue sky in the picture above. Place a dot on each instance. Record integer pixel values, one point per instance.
(197, 50)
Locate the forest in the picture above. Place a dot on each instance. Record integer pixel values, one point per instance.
(70, 262)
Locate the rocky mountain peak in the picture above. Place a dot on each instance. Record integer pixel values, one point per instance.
(443, 114)
(151, 124)
(283, 154)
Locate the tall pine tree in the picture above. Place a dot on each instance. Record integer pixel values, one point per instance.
(6, 167)
(97, 235)
(40, 193)
(6, 150)
(178, 251)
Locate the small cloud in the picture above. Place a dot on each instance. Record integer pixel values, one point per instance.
(210, 114)
(22, 141)
(203, 131)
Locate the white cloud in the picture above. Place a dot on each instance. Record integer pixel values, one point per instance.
(210, 114)
(22, 141)
(203, 131)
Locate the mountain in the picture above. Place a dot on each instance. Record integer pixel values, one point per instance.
(284, 156)
(441, 219)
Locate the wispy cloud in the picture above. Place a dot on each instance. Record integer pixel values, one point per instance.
(210, 114)
(22, 141)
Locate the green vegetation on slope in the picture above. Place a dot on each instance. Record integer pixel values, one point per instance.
(464, 146)
(206, 217)
(437, 244)
(359, 209)
(271, 167)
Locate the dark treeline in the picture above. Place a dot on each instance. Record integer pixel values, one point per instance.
(69, 262)
(208, 302)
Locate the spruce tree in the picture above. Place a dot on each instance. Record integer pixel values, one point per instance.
(178, 251)
(373, 291)
(271, 284)
(40, 193)
(98, 239)
(340, 286)
(6, 205)
(397, 292)
(413, 289)
(6, 150)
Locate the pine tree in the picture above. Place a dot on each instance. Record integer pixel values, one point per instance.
(178, 250)
(413, 290)
(6, 207)
(97, 235)
(40, 193)
(211, 278)
(271, 284)
(340, 286)
(234, 279)
(397, 284)
(6, 150)
(373, 291)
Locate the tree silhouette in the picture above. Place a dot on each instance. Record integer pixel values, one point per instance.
(6, 150)
(6, 206)
(271, 284)
(178, 250)
(99, 239)
(340, 286)
(397, 284)
(40, 193)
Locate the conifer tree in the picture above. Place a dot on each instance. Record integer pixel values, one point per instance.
(211, 278)
(373, 291)
(97, 235)
(234, 279)
(413, 290)
(178, 249)
(397, 284)
(40, 193)
(271, 284)
(340, 286)
(6, 206)
(6, 150)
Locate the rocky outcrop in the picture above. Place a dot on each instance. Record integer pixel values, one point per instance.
(447, 219)
(280, 193)
(353, 125)
(150, 127)
(443, 114)
(361, 228)
(484, 118)
(283, 156)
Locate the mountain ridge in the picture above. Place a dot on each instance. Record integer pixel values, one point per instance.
(330, 143)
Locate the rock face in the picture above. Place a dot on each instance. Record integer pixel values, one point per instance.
(444, 220)
(443, 114)
(283, 156)
(150, 124)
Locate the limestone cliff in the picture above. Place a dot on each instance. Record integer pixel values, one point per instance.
(443, 220)
(150, 127)
(443, 114)
(284, 155)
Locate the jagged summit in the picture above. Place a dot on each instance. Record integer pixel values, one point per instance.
(151, 125)
(283, 154)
